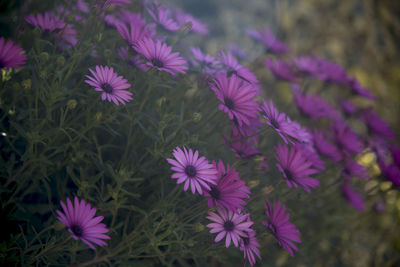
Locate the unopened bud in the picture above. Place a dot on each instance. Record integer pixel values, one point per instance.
(196, 117)
(161, 101)
(44, 56)
(60, 61)
(199, 227)
(107, 53)
(98, 116)
(72, 104)
(186, 28)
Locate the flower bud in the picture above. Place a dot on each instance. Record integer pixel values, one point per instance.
(186, 28)
(199, 227)
(72, 104)
(60, 61)
(161, 101)
(98, 116)
(43, 57)
(196, 117)
(107, 53)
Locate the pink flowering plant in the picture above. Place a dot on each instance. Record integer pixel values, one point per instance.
(128, 138)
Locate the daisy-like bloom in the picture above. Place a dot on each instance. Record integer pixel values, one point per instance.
(197, 26)
(325, 148)
(194, 171)
(346, 139)
(107, 81)
(278, 224)
(310, 154)
(132, 33)
(295, 168)
(314, 106)
(134, 61)
(205, 61)
(233, 67)
(249, 245)
(236, 97)
(390, 172)
(237, 51)
(229, 190)
(357, 89)
(353, 169)
(81, 223)
(11, 56)
(68, 37)
(162, 16)
(306, 65)
(376, 125)
(353, 197)
(47, 22)
(268, 39)
(348, 107)
(282, 124)
(159, 56)
(242, 147)
(331, 72)
(229, 224)
(281, 70)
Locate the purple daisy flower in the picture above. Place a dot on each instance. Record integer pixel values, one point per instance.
(133, 33)
(233, 67)
(229, 190)
(395, 151)
(331, 72)
(236, 97)
(107, 81)
(81, 223)
(351, 196)
(346, 139)
(229, 224)
(391, 172)
(268, 39)
(281, 70)
(134, 61)
(357, 89)
(11, 56)
(207, 62)
(348, 107)
(310, 154)
(162, 16)
(295, 168)
(237, 51)
(314, 106)
(129, 17)
(68, 37)
(47, 22)
(376, 125)
(242, 146)
(306, 65)
(325, 148)
(282, 124)
(353, 169)
(194, 171)
(249, 245)
(197, 27)
(278, 224)
(159, 56)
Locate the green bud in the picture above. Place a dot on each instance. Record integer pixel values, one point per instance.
(196, 117)
(194, 138)
(58, 226)
(160, 101)
(11, 111)
(37, 31)
(98, 116)
(191, 243)
(60, 61)
(43, 57)
(199, 227)
(72, 104)
(16, 86)
(71, 18)
(108, 53)
(99, 37)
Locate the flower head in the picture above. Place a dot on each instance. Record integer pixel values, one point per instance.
(11, 56)
(159, 56)
(197, 26)
(194, 171)
(282, 124)
(295, 168)
(47, 22)
(357, 89)
(162, 16)
(353, 197)
(236, 97)
(205, 61)
(233, 68)
(376, 125)
(314, 106)
(353, 169)
(268, 39)
(134, 61)
(249, 245)
(325, 148)
(346, 139)
(281, 70)
(229, 190)
(81, 223)
(229, 224)
(278, 224)
(111, 85)
(133, 33)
